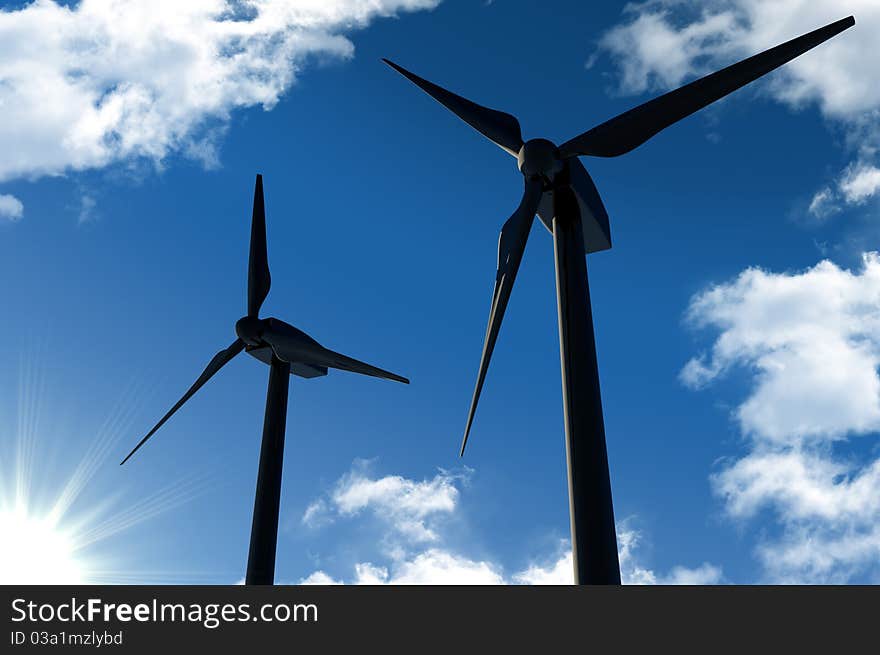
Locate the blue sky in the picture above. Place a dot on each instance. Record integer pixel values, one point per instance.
(742, 433)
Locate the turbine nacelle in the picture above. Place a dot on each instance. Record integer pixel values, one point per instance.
(250, 330)
(540, 158)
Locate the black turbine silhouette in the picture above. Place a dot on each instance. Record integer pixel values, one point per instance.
(287, 351)
(559, 189)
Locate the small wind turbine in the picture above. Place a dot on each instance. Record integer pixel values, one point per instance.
(559, 189)
(287, 351)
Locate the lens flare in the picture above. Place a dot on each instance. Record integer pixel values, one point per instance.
(52, 528)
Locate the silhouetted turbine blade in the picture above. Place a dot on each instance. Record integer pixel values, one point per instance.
(511, 245)
(345, 363)
(259, 279)
(497, 126)
(220, 359)
(295, 346)
(632, 128)
(310, 352)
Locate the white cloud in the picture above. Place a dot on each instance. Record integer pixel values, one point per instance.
(655, 54)
(434, 567)
(662, 44)
(796, 482)
(860, 183)
(813, 341)
(824, 204)
(396, 503)
(632, 571)
(320, 578)
(407, 506)
(559, 570)
(11, 208)
(828, 557)
(103, 81)
(437, 566)
(316, 514)
(705, 574)
(87, 206)
(810, 342)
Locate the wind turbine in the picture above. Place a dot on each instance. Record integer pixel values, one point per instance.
(287, 351)
(559, 189)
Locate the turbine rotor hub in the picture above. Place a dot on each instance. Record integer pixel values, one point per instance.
(250, 330)
(540, 158)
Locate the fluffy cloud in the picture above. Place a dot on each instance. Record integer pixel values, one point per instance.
(86, 85)
(860, 183)
(813, 340)
(11, 208)
(410, 511)
(824, 204)
(558, 571)
(407, 506)
(810, 342)
(857, 184)
(632, 571)
(663, 43)
(654, 54)
(437, 566)
(430, 567)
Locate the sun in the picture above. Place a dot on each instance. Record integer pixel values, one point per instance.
(37, 550)
(58, 524)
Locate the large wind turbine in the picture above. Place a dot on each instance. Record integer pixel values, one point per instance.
(559, 189)
(287, 351)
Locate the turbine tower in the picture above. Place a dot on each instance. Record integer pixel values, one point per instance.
(559, 189)
(288, 351)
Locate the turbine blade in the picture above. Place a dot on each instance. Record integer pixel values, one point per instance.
(497, 126)
(345, 363)
(511, 245)
(632, 128)
(220, 359)
(259, 279)
(295, 346)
